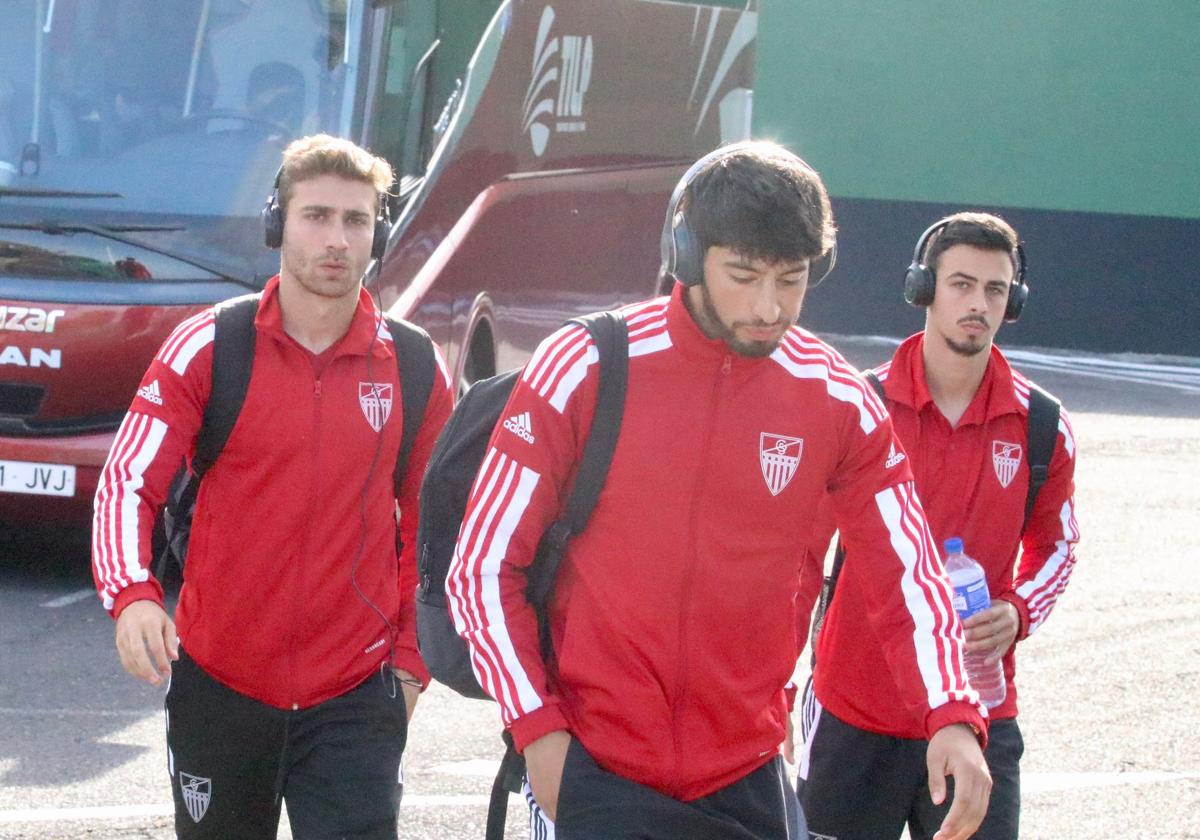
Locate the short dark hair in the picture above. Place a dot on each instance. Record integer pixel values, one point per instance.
(979, 230)
(321, 154)
(761, 201)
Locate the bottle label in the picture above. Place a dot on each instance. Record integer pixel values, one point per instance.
(971, 598)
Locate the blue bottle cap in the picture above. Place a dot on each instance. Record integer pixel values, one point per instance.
(953, 545)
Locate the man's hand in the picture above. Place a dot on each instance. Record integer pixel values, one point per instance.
(411, 688)
(993, 631)
(544, 760)
(146, 641)
(954, 751)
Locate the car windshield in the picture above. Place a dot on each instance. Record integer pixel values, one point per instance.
(179, 107)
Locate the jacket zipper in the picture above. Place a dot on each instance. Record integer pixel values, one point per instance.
(685, 600)
(297, 605)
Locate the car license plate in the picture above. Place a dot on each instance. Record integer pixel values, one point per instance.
(37, 479)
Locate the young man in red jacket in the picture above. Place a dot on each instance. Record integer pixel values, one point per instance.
(960, 411)
(296, 665)
(673, 614)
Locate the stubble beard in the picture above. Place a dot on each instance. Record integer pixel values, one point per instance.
(307, 274)
(966, 349)
(712, 326)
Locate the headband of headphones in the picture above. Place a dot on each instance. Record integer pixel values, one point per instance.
(273, 218)
(682, 256)
(920, 280)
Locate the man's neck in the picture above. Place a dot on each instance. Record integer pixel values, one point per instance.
(952, 378)
(315, 322)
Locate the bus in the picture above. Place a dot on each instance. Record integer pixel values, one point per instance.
(536, 143)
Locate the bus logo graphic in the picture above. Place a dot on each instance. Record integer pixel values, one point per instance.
(779, 457)
(376, 401)
(561, 74)
(1006, 457)
(197, 793)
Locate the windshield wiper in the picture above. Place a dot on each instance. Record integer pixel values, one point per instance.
(36, 192)
(114, 233)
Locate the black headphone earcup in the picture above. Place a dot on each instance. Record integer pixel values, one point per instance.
(1018, 294)
(919, 284)
(272, 220)
(689, 262)
(379, 240)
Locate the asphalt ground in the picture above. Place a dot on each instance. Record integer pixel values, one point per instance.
(1109, 685)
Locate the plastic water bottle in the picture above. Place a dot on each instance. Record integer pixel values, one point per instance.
(971, 596)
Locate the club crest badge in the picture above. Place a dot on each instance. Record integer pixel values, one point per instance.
(1006, 458)
(376, 401)
(197, 793)
(779, 456)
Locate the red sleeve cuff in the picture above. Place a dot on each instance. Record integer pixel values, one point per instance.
(149, 590)
(952, 713)
(528, 728)
(1022, 613)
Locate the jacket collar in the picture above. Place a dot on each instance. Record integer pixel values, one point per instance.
(366, 332)
(906, 384)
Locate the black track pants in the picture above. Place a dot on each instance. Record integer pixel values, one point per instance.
(857, 785)
(594, 804)
(234, 760)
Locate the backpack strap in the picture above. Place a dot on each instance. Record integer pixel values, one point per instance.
(1041, 434)
(232, 362)
(608, 331)
(418, 370)
(839, 553)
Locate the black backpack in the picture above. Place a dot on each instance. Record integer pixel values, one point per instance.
(232, 363)
(1041, 429)
(451, 472)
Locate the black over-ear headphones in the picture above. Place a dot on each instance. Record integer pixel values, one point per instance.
(682, 253)
(920, 280)
(272, 217)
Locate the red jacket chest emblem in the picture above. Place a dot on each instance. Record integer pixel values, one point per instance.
(779, 456)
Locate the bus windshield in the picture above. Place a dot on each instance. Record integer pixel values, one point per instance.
(152, 107)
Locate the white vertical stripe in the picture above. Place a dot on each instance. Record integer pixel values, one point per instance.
(641, 329)
(117, 560)
(487, 659)
(1041, 593)
(113, 485)
(924, 644)
(191, 347)
(811, 714)
(181, 331)
(130, 501)
(551, 355)
(489, 573)
(568, 355)
(652, 344)
(571, 379)
(100, 507)
(461, 578)
(847, 393)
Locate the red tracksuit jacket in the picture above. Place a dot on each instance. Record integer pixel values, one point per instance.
(972, 481)
(674, 612)
(268, 606)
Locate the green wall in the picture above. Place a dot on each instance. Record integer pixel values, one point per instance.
(1069, 105)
